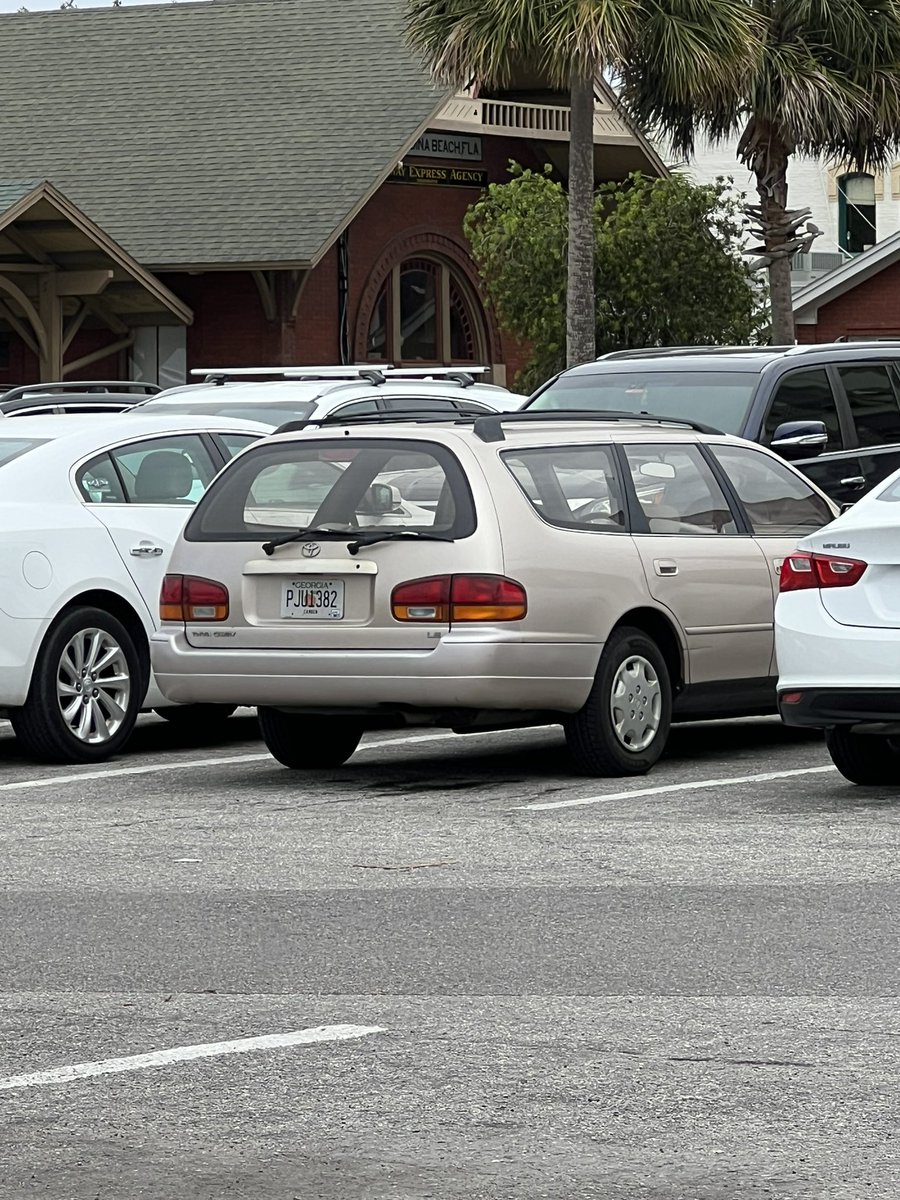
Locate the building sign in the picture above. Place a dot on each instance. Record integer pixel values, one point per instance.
(448, 145)
(470, 177)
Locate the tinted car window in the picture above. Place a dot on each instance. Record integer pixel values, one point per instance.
(348, 485)
(717, 398)
(873, 403)
(575, 487)
(11, 448)
(777, 502)
(805, 396)
(272, 413)
(99, 482)
(360, 408)
(233, 443)
(678, 492)
(171, 470)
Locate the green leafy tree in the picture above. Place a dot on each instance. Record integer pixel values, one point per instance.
(827, 83)
(696, 46)
(669, 269)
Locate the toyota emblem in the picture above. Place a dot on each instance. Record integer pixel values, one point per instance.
(311, 550)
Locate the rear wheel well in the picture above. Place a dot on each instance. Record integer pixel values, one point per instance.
(661, 629)
(122, 611)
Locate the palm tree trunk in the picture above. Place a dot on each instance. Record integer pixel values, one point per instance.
(773, 201)
(581, 323)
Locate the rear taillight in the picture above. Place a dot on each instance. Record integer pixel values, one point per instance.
(802, 570)
(459, 598)
(186, 598)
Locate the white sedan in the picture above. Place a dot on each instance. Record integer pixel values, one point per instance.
(89, 509)
(837, 637)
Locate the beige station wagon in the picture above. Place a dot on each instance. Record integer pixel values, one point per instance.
(607, 573)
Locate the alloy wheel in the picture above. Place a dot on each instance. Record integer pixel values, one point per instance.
(93, 685)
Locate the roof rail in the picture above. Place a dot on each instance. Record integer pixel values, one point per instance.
(490, 428)
(688, 351)
(862, 344)
(100, 386)
(453, 416)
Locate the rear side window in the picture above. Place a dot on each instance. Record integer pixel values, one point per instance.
(678, 492)
(575, 487)
(11, 448)
(778, 502)
(805, 396)
(873, 403)
(350, 484)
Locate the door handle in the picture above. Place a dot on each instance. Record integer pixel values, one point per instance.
(665, 566)
(854, 481)
(146, 551)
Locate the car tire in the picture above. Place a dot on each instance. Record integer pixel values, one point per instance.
(59, 722)
(868, 759)
(606, 738)
(198, 718)
(308, 743)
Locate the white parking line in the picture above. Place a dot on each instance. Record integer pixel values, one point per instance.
(161, 1058)
(730, 780)
(225, 760)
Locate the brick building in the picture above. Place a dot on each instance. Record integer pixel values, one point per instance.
(858, 301)
(249, 182)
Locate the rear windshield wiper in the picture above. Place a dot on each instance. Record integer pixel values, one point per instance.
(394, 535)
(302, 535)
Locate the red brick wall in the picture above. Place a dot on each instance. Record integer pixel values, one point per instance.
(871, 308)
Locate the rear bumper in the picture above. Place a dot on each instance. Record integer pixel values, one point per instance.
(819, 708)
(518, 676)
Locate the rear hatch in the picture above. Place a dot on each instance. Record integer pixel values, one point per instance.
(311, 537)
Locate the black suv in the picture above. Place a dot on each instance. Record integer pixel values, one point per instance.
(832, 409)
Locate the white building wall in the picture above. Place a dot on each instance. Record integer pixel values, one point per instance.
(812, 183)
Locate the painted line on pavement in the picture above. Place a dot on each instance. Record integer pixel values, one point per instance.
(162, 1058)
(184, 764)
(673, 787)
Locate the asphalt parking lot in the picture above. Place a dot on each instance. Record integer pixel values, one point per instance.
(476, 976)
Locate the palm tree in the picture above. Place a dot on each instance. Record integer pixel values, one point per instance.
(694, 45)
(826, 85)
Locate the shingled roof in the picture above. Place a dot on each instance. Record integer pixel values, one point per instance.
(203, 134)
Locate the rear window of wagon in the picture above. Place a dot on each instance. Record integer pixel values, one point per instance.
(344, 484)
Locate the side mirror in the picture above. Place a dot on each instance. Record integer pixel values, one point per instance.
(380, 499)
(846, 506)
(800, 439)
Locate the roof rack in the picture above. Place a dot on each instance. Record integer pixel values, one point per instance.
(863, 344)
(464, 376)
(490, 428)
(688, 351)
(221, 375)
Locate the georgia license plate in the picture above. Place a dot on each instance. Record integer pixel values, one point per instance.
(313, 599)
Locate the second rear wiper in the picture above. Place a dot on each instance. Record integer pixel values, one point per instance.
(301, 535)
(394, 535)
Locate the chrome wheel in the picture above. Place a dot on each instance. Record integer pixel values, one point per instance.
(636, 703)
(93, 685)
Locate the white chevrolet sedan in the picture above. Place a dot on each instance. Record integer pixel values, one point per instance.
(837, 633)
(90, 507)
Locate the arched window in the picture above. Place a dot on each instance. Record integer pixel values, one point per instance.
(426, 313)
(856, 213)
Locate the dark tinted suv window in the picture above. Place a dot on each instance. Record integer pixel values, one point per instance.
(805, 396)
(873, 403)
